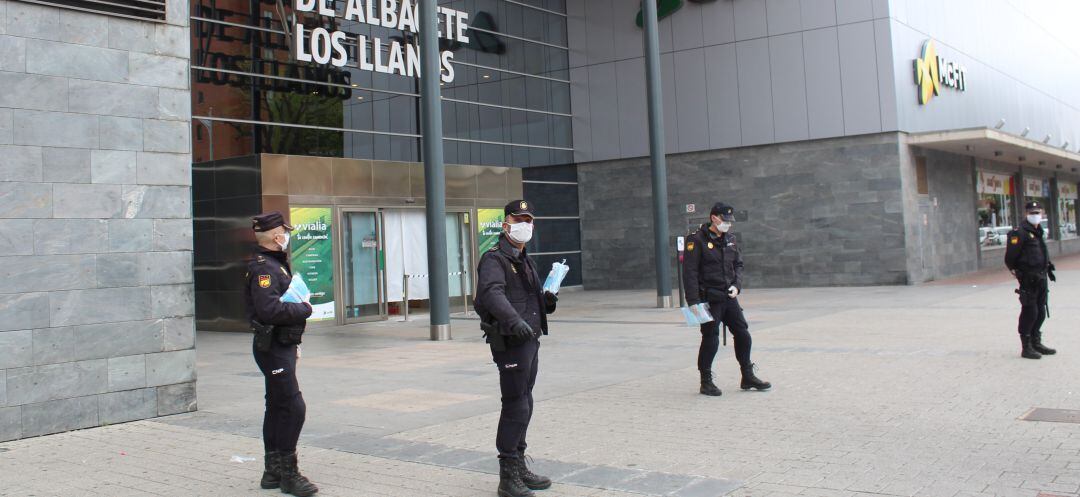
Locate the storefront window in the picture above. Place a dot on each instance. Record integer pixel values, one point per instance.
(1067, 195)
(1039, 189)
(995, 208)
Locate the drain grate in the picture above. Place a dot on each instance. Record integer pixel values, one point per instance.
(1052, 415)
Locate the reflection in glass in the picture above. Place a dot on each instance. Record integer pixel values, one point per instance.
(361, 265)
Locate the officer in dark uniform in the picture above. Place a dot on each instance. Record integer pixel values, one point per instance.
(712, 270)
(513, 309)
(278, 327)
(1028, 260)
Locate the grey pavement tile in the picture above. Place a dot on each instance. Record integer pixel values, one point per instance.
(606, 477)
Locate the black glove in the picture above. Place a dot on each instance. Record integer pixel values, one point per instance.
(1051, 267)
(522, 330)
(1050, 275)
(550, 299)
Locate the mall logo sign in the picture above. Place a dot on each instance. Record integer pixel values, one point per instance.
(932, 72)
(665, 8)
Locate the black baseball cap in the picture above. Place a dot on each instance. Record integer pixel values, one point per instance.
(1034, 205)
(518, 208)
(268, 221)
(724, 211)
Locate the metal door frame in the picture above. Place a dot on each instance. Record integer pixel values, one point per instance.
(380, 258)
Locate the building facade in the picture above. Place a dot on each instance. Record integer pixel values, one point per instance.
(810, 117)
(95, 216)
(862, 142)
(337, 148)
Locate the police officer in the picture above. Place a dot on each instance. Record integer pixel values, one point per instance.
(278, 327)
(513, 310)
(712, 273)
(1028, 260)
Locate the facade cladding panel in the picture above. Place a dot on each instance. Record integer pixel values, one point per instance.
(256, 107)
(95, 218)
(806, 107)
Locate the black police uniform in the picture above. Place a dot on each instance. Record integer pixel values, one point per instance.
(712, 264)
(1027, 257)
(510, 291)
(268, 277)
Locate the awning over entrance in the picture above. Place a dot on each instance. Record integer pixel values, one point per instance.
(991, 144)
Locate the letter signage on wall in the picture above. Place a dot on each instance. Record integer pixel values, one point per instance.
(933, 71)
(330, 46)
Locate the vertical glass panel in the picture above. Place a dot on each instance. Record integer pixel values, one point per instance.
(361, 261)
(995, 209)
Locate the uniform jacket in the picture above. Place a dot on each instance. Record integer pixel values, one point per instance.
(268, 277)
(1026, 250)
(711, 265)
(508, 288)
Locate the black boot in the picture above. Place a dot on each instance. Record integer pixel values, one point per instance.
(530, 479)
(292, 482)
(271, 477)
(749, 380)
(707, 386)
(1036, 343)
(510, 484)
(1028, 352)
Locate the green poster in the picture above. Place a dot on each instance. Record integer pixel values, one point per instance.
(489, 225)
(313, 257)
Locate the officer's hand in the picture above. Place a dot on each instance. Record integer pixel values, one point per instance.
(1051, 267)
(550, 299)
(733, 292)
(1051, 275)
(521, 329)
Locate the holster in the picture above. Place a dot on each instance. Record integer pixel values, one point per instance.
(264, 336)
(494, 337)
(289, 335)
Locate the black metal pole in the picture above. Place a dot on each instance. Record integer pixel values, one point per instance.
(434, 179)
(656, 153)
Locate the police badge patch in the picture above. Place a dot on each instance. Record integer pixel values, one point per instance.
(264, 281)
(690, 247)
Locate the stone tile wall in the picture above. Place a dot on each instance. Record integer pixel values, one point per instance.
(95, 219)
(814, 213)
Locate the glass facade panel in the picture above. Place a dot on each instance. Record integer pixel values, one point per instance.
(995, 209)
(1067, 196)
(509, 103)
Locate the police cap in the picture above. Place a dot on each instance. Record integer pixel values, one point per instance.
(518, 208)
(1033, 205)
(723, 211)
(268, 221)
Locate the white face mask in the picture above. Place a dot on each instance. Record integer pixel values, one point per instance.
(724, 227)
(1034, 219)
(520, 232)
(284, 243)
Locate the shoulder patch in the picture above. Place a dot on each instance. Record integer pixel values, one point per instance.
(690, 247)
(264, 281)
(1014, 240)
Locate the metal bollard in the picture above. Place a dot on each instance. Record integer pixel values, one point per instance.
(464, 295)
(405, 296)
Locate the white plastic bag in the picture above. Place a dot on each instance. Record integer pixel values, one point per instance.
(556, 276)
(298, 291)
(696, 314)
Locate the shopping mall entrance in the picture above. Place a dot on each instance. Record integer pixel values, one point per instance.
(360, 241)
(383, 262)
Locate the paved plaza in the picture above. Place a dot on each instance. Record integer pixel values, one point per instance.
(905, 391)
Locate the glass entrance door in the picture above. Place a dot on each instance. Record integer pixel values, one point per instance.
(362, 261)
(458, 259)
